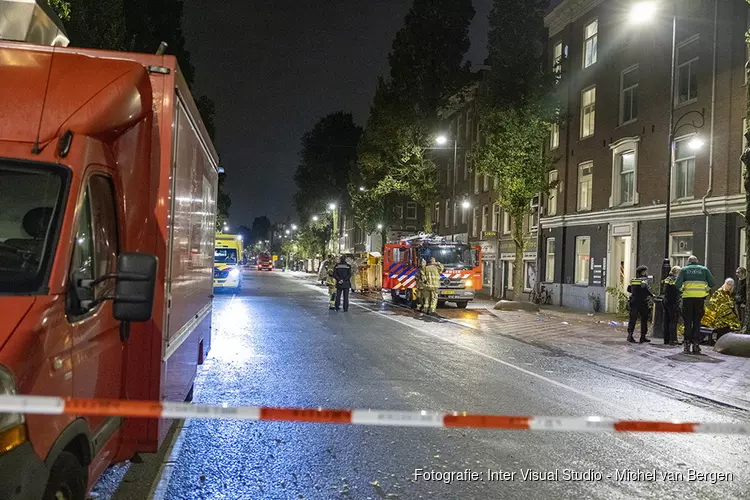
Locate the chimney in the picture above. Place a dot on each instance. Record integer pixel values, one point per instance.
(31, 21)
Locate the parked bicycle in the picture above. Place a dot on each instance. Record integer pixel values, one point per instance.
(540, 296)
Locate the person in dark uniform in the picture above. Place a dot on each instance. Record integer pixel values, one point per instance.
(740, 294)
(342, 273)
(671, 307)
(639, 303)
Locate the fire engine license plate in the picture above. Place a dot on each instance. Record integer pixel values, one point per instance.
(448, 292)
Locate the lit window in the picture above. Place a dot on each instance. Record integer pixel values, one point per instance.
(464, 216)
(485, 218)
(486, 183)
(549, 271)
(557, 53)
(554, 136)
(411, 210)
(583, 259)
(588, 112)
(625, 177)
(684, 169)
(552, 195)
(590, 43)
(585, 181)
(680, 248)
(687, 71)
(629, 95)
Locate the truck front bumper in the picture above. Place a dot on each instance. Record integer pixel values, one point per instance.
(24, 474)
(459, 295)
(227, 283)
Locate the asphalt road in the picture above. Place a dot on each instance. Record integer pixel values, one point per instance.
(277, 344)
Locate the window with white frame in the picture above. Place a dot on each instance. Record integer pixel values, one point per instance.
(554, 136)
(485, 218)
(684, 175)
(506, 222)
(411, 210)
(485, 183)
(557, 53)
(680, 248)
(552, 195)
(590, 43)
(464, 215)
(495, 183)
(455, 213)
(495, 217)
(475, 223)
(583, 259)
(629, 95)
(447, 213)
(743, 249)
(477, 180)
(623, 182)
(511, 266)
(437, 213)
(460, 160)
(460, 127)
(466, 168)
(549, 269)
(588, 112)
(687, 70)
(585, 184)
(529, 275)
(399, 211)
(534, 214)
(469, 124)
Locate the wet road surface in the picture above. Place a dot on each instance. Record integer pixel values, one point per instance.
(276, 344)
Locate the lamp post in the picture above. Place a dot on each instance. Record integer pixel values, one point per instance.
(335, 232)
(442, 140)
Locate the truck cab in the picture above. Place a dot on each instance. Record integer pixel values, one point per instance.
(459, 281)
(227, 262)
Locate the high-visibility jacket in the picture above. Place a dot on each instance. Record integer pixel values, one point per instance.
(431, 275)
(695, 281)
(671, 292)
(639, 291)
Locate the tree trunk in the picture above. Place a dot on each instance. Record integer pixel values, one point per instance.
(518, 264)
(427, 218)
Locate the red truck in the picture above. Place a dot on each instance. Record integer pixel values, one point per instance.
(265, 262)
(108, 183)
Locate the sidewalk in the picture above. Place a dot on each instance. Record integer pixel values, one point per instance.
(725, 379)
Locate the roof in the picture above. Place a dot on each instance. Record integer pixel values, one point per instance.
(88, 95)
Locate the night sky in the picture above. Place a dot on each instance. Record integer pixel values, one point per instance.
(275, 67)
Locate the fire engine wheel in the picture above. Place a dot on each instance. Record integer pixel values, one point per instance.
(462, 305)
(67, 479)
(394, 297)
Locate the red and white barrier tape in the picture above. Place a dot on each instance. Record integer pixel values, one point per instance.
(43, 405)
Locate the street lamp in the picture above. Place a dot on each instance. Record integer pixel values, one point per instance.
(331, 206)
(465, 204)
(287, 231)
(294, 227)
(362, 188)
(380, 227)
(643, 12)
(442, 140)
(315, 218)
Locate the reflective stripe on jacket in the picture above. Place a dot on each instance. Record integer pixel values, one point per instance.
(695, 281)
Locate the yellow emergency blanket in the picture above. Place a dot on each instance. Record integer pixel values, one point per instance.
(720, 312)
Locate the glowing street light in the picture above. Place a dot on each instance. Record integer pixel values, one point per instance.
(315, 218)
(441, 140)
(466, 204)
(331, 206)
(643, 12)
(380, 227)
(696, 143)
(226, 228)
(362, 188)
(287, 231)
(294, 227)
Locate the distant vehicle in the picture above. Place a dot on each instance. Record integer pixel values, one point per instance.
(108, 184)
(227, 259)
(458, 283)
(265, 262)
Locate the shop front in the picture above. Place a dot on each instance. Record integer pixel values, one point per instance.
(507, 264)
(489, 245)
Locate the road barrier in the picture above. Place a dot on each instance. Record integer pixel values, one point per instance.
(43, 405)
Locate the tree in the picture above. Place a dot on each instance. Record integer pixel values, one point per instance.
(223, 202)
(61, 8)
(261, 229)
(98, 24)
(327, 156)
(517, 110)
(425, 70)
(207, 109)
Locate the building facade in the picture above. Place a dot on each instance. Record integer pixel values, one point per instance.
(607, 214)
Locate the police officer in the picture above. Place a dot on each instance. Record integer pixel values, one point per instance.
(694, 281)
(671, 306)
(342, 274)
(331, 282)
(431, 283)
(639, 303)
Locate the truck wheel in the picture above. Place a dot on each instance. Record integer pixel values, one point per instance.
(67, 479)
(462, 305)
(394, 297)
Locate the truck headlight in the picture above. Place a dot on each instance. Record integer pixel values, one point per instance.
(469, 284)
(234, 273)
(12, 429)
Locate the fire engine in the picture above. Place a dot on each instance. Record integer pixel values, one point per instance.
(458, 282)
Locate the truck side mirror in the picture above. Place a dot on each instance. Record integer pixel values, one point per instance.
(134, 288)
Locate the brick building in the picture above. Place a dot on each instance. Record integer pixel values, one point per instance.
(607, 214)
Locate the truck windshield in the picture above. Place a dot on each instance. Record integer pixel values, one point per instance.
(451, 256)
(225, 256)
(30, 207)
